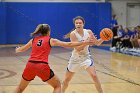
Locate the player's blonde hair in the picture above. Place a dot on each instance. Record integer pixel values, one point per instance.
(42, 29)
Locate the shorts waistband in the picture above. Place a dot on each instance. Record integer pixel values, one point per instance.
(37, 62)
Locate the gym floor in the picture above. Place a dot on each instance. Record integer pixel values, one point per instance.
(118, 73)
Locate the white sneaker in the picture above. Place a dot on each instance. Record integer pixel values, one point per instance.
(138, 50)
(122, 50)
(113, 49)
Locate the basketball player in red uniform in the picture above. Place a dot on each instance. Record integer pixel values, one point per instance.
(38, 62)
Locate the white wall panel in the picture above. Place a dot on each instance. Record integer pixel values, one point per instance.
(133, 15)
(120, 9)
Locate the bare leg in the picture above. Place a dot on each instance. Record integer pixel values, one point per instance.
(91, 71)
(136, 43)
(68, 77)
(132, 42)
(139, 42)
(21, 87)
(55, 83)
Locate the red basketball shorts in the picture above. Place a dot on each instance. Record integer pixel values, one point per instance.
(37, 68)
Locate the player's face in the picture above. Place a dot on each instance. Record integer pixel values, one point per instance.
(79, 24)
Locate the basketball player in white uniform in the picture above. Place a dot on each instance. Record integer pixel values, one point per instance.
(80, 55)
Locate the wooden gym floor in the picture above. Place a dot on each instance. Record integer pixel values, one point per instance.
(118, 73)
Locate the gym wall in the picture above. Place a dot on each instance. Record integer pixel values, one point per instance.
(19, 19)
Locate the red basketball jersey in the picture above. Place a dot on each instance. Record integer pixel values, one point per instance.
(40, 49)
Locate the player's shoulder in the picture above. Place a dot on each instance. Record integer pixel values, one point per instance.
(88, 30)
(72, 32)
(53, 39)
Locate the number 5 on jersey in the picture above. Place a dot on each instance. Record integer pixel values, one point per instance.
(39, 43)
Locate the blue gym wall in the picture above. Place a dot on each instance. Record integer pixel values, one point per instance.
(2, 24)
(19, 19)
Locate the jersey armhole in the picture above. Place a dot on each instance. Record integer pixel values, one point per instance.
(33, 40)
(49, 42)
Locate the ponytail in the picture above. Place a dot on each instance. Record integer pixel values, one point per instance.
(68, 34)
(42, 29)
(37, 30)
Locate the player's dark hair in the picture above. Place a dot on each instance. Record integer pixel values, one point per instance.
(74, 19)
(79, 17)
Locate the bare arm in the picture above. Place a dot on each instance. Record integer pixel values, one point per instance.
(25, 47)
(97, 41)
(116, 25)
(56, 42)
(74, 39)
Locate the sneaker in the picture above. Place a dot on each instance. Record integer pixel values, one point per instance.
(122, 50)
(113, 49)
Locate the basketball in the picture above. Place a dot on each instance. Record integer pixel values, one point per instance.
(106, 34)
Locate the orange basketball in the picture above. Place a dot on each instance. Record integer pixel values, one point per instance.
(106, 34)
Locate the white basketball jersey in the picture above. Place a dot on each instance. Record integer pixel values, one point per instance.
(83, 54)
